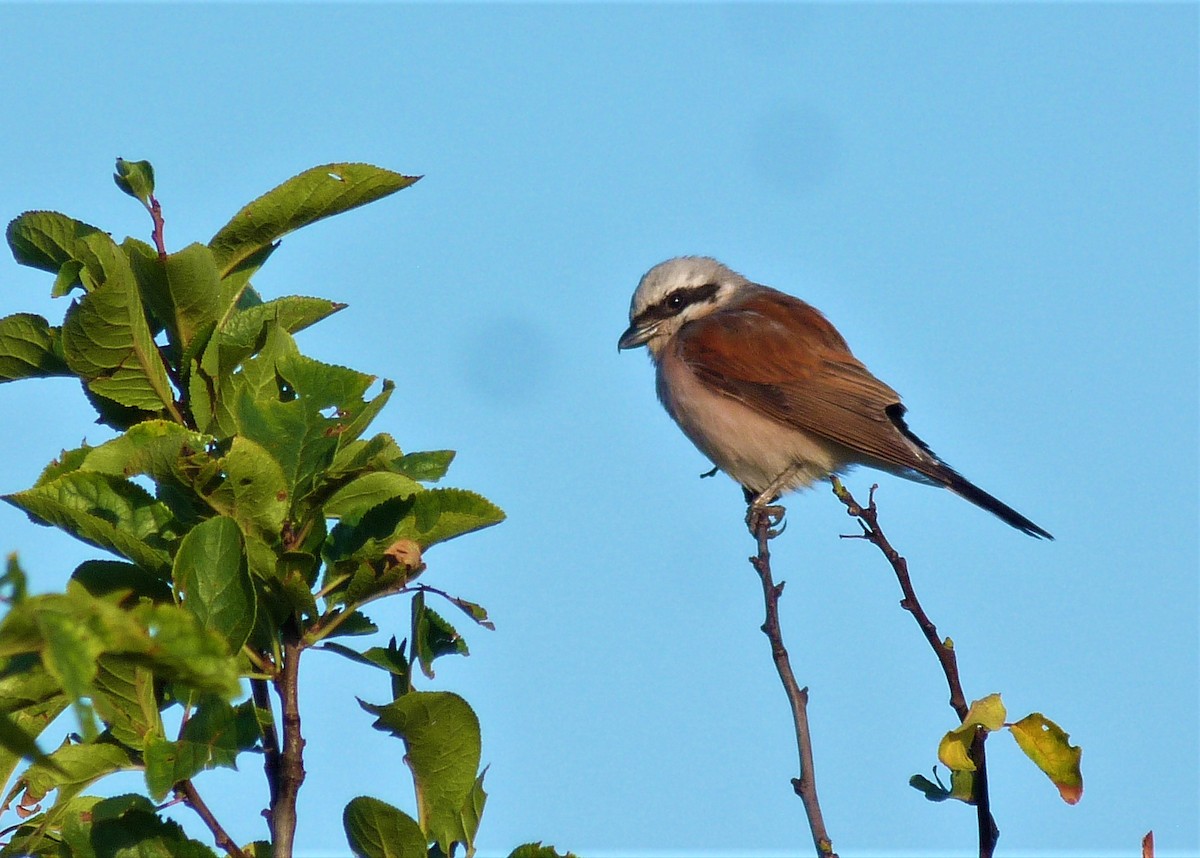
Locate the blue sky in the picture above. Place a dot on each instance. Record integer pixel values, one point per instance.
(995, 203)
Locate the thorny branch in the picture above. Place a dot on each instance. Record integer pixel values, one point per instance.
(868, 519)
(760, 522)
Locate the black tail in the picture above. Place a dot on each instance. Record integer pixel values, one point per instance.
(941, 473)
(962, 487)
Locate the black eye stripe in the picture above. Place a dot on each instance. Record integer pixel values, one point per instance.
(677, 300)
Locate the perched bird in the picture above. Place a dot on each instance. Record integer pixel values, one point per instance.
(768, 390)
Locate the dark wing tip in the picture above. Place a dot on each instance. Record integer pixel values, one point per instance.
(961, 486)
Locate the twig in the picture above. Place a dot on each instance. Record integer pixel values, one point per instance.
(270, 739)
(868, 519)
(186, 791)
(805, 785)
(156, 215)
(291, 760)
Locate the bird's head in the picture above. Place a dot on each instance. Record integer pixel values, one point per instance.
(673, 293)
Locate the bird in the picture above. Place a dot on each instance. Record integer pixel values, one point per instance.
(766, 388)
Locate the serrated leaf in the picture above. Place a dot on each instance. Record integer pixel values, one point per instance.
(128, 826)
(166, 639)
(30, 348)
(428, 467)
(213, 736)
(153, 447)
(71, 768)
(369, 490)
(124, 697)
(107, 342)
(74, 251)
(105, 511)
(314, 194)
(375, 829)
(537, 850)
(254, 490)
(441, 737)
(954, 749)
(441, 514)
(432, 636)
(135, 178)
(210, 570)
(29, 699)
(1048, 745)
(183, 290)
(356, 624)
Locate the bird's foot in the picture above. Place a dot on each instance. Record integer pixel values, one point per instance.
(762, 513)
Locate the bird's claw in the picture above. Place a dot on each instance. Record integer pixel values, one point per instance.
(771, 515)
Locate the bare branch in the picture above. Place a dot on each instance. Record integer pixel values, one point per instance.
(291, 759)
(761, 521)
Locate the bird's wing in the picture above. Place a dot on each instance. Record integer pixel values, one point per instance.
(782, 358)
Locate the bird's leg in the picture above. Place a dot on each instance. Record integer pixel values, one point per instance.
(761, 505)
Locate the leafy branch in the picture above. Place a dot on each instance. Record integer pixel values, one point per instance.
(228, 568)
(962, 749)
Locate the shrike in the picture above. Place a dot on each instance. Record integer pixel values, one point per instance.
(768, 390)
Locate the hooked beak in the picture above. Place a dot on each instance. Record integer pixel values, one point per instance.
(637, 335)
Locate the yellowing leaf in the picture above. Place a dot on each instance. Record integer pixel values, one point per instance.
(1047, 745)
(986, 712)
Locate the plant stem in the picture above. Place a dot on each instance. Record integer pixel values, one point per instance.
(805, 785)
(156, 215)
(868, 519)
(262, 700)
(291, 760)
(186, 791)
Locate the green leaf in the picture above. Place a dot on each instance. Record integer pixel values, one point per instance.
(71, 768)
(441, 738)
(29, 700)
(30, 348)
(537, 850)
(107, 342)
(432, 636)
(254, 490)
(369, 490)
(214, 736)
(441, 514)
(153, 447)
(16, 741)
(13, 580)
(357, 624)
(77, 253)
(166, 639)
(428, 467)
(962, 786)
(1049, 747)
(390, 658)
(954, 749)
(127, 826)
(183, 291)
(375, 829)
(124, 696)
(103, 577)
(314, 194)
(210, 570)
(105, 511)
(135, 178)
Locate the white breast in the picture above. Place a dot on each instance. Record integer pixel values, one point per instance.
(748, 446)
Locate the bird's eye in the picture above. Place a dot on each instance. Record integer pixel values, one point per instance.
(674, 301)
